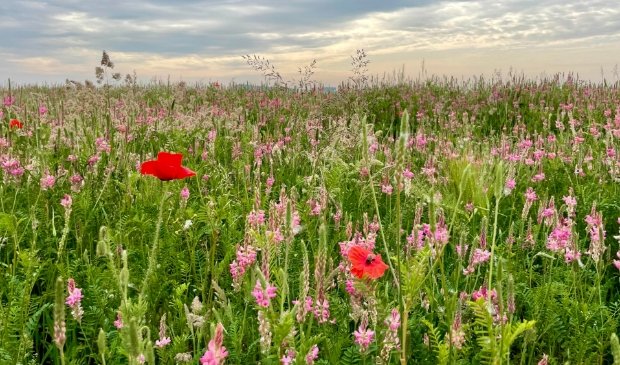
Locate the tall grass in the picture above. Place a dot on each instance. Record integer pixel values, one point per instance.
(465, 189)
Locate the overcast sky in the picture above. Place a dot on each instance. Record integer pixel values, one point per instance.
(50, 41)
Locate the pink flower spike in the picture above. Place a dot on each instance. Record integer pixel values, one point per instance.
(216, 353)
(162, 342)
(66, 201)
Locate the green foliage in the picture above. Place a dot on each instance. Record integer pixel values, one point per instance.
(286, 181)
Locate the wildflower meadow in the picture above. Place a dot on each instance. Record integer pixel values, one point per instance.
(427, 221)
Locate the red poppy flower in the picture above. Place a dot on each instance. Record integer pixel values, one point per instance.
(14, 123)
(166, 167)
(365, 263)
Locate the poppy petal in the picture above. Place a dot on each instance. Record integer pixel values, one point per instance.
(357, 271)
(172, 159)
(149, 168)
(358, 255)
(185, 172)
(377, 268)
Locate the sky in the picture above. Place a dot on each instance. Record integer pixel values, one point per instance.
(47, 42)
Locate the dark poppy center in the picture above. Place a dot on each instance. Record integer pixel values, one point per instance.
(370, 258)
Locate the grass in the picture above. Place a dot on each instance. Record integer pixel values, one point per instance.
(286, 182)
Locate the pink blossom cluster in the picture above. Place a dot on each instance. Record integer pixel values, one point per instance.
(457, 334)
(118, 323)
(424, 235)
(163, 339)
(74, 300)
(216, 352)
(11, 166)
(262, 295)
(478, 257)
(596, 231)
(560, 236)
(8, 100)
(391, 340)
(312, 355)
(491, 297)
(102, 145)
(256, 218)
(245, 257)
(66, 201)
(288, 358)
(364, 336)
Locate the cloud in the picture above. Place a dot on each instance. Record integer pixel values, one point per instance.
(53, 40)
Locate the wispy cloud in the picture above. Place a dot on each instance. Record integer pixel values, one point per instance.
(54, 40)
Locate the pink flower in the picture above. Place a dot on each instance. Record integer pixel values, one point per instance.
(66, 201)
(102, 145)
(216, 353)
(288, 358)
(263, 296)
(509, 186)
(312, 355)
(119, 321)
(162, 342)
(483, 293)
(364, 336)
(387, 188)
(538, 177)
(570, 255)
(256, 218)
(570, 201)
(75, 294)
(185, 193)
(74, 299)
(47, 182)
(530, 195)
(393, 321)
(246, 256)
(8, 100)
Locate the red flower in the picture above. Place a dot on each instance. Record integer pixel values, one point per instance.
(365, 263)
(166, 167)
(14, 123)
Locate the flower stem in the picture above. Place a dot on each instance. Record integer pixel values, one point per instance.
(153, 253)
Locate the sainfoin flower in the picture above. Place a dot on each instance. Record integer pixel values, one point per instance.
(163, 339)
(119, 321)
(216, 353)
(47, 182)
(364, 336)
(166, 167)
(66, 201)
(364, 263)
(74, 299)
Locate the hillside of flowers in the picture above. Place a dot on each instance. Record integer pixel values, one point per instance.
(419, 222)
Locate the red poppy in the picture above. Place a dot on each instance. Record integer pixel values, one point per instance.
(365, 263)
(166, 167)
(14, 123)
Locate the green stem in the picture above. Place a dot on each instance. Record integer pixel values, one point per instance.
(493, 242)
(153, 253)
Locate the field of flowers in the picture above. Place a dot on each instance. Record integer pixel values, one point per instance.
(426, 222)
